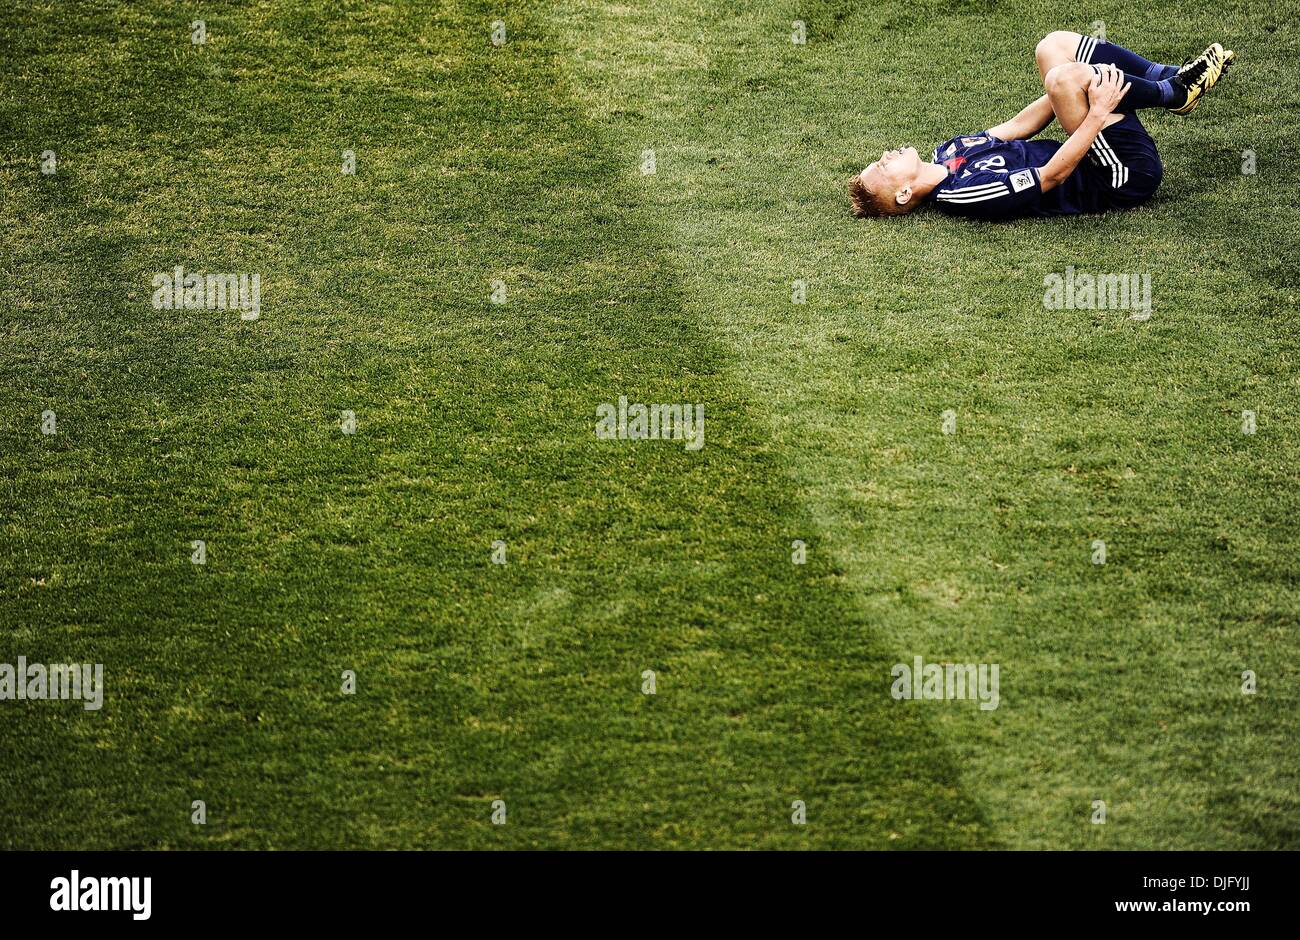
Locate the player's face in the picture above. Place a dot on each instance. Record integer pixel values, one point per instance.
(895, 169)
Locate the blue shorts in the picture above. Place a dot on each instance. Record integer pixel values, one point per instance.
(1122, 168)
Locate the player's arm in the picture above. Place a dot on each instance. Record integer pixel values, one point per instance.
(1028, 123)
(1103, 98)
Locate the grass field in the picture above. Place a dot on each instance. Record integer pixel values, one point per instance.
(523, 164)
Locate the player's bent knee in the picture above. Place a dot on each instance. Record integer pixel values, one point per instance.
(1067, 75)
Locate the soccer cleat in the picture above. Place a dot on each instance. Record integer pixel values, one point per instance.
(1200, 74)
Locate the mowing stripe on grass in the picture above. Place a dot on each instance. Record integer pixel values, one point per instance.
(1121, 681)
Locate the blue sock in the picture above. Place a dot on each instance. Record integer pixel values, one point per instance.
(1144, 93)
(1099, 52)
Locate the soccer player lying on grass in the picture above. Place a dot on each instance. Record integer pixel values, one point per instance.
(1094, 88)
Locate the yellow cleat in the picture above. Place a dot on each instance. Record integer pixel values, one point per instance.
(1200, 74)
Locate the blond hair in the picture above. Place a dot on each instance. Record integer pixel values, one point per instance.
(872, 205)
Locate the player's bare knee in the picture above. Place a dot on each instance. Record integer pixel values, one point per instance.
(1054, 78)
(1067, 75)
(1056, 48)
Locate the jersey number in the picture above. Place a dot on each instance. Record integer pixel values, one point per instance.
(990, 165)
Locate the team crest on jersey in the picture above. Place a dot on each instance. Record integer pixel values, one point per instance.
(951, 149)
(972, 141)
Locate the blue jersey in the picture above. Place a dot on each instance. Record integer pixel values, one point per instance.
(989, 178)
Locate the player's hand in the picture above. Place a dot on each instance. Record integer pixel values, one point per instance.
(1107, 90)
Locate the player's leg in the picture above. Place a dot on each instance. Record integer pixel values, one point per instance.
(1122, 168)
(1066, 85)
(1100, 52)
(1064, 46)
(1153, 84)
(1171, 93)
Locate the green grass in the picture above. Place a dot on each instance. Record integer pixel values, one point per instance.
(522, 682)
